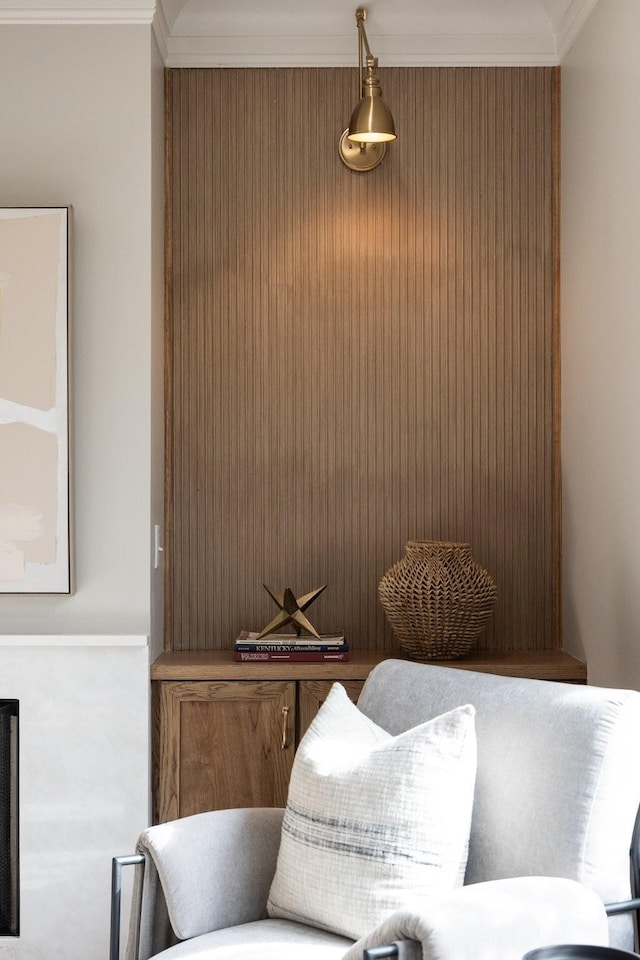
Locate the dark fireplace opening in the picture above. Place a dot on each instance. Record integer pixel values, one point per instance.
(9, 867)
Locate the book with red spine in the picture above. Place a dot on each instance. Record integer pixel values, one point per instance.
(290, 656)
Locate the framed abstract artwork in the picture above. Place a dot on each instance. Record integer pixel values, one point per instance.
(35, 534)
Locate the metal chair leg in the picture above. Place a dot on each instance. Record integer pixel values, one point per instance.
(116, 899)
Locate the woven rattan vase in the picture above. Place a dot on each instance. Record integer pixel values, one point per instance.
(437, 599)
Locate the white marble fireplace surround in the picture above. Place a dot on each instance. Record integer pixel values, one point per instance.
(84, 783)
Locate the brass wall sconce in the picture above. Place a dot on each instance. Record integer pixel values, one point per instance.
(364, 143)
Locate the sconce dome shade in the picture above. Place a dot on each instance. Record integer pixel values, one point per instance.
(371, 121)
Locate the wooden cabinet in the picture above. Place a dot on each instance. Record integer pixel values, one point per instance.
(225, 733)
(223, 744)
(230, 743)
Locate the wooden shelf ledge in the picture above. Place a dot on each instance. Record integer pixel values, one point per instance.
(220, 665)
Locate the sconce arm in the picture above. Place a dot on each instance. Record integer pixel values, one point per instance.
(361, 16)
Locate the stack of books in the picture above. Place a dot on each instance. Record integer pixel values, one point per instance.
(288, 646)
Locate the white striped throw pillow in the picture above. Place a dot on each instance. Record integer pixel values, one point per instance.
(373, 822)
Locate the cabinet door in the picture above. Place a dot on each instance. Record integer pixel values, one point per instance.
(313, 693)
(222, 744)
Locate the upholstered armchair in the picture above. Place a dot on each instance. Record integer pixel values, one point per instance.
(513, 833)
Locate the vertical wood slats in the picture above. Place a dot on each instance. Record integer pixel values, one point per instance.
(355, 360)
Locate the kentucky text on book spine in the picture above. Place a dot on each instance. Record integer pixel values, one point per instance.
(291, 647)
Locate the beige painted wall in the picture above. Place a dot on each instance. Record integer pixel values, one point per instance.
(81, 123)
(600, 324)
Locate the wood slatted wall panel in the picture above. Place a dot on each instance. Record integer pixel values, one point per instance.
(355, 360)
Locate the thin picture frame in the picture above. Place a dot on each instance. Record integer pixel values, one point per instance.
(35, 423)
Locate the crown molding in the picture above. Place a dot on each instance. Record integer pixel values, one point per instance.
(143, 14)
(161, 33)
(404, 51)
(571, 24)
(309, 51)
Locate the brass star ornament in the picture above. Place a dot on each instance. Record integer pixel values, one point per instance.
(291, 611)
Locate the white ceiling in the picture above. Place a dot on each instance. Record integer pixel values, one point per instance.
(302, 33)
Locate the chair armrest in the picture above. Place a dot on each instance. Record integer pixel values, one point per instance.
(117, 865)
(205, 872)
(496, 920)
